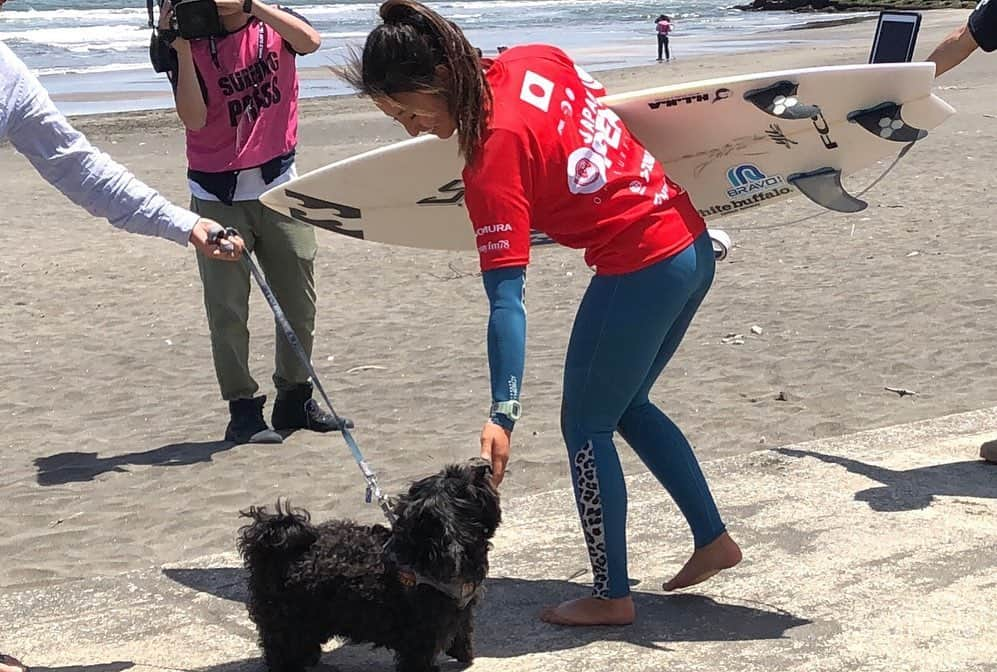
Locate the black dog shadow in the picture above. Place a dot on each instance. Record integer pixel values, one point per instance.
(508, 626)
(73, 467)
(912, 489)
(228, 583)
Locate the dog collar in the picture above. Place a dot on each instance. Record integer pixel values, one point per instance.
(461, 593)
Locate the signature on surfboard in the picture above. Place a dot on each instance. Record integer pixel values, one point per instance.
(717, 153)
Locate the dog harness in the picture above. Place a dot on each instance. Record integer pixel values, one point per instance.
(461, 593)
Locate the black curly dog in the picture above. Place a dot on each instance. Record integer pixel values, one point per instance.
(411, 589)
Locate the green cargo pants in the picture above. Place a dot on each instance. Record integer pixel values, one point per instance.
(285, 250)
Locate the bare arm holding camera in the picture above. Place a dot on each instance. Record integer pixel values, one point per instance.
(191, 108)
(302, 37)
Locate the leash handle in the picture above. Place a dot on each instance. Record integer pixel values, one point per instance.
(219, 236)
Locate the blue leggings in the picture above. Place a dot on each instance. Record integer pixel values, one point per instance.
(627, 328)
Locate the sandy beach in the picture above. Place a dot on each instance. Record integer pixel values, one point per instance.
(110, 458)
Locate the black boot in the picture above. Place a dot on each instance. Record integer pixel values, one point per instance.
(247, 424)
(295, 409)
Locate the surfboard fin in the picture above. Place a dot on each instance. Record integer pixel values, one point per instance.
(780, 100)
(823, 187)
(885, 121)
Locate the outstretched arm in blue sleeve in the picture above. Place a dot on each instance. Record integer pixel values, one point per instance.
(506, 336)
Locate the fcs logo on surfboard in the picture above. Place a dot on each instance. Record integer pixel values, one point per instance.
(747, 179)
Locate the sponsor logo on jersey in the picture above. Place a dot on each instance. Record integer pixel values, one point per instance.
(586, 171)
(494, 246)
(492, 228)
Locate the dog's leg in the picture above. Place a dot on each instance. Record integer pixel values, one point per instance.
(421, 659)
(290, 653)
(462, 647)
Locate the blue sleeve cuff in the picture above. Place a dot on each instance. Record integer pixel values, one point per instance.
(503, 421)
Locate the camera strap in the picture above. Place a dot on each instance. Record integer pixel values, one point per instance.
(261, 43)
(152, 22)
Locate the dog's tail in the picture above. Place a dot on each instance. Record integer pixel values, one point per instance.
(274, 538)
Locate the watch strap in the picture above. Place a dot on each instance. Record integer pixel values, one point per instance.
(510, 409)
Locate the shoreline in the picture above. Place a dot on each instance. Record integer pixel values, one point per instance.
(835, 6)
(95, 99)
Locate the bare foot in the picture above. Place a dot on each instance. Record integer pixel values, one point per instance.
(591, 611)
(721, 553)
(11, 664)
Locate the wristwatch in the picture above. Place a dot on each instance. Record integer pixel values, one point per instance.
(247, 6)
(510, 409)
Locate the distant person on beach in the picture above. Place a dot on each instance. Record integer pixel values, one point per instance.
(663, 26)
(541, 152)
(87, 176)
(237, 94)
(979, 31)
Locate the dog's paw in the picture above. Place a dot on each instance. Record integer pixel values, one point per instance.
(461, 652)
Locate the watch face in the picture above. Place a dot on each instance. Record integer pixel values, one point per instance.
(510, 409)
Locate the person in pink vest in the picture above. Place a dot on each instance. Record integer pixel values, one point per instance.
(663, 26)
(237, 95)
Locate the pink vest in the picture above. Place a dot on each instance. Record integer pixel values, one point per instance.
(252, 93)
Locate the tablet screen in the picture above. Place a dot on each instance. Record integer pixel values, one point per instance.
(896, 35)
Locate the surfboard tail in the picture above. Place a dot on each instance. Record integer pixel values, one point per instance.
(886, 121)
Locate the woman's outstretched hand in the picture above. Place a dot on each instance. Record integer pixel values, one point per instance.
(495, 442)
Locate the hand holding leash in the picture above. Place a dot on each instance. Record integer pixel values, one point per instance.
(216, 242)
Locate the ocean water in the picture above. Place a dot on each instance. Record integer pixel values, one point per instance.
(93, 54)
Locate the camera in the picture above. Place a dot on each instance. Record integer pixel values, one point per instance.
(191, 20)
(194, 19)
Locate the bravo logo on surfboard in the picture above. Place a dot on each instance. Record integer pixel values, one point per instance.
(747, 179)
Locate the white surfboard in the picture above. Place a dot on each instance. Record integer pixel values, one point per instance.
(734, 143)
